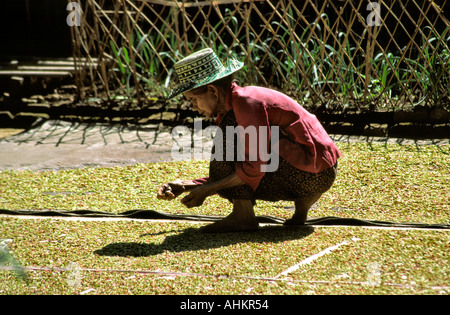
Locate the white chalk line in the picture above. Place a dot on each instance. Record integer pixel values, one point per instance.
(310, 259)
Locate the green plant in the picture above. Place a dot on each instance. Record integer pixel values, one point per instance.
(436, 64)
(308, 60)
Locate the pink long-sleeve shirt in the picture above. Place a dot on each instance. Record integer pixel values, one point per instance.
(306, 146)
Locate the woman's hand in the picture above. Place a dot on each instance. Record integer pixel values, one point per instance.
(169, 191)
(197, 196)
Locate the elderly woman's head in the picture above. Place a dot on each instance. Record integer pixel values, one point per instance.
(209, 100)
(205, 81)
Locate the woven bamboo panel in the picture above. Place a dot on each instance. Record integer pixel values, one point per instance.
(333, 53)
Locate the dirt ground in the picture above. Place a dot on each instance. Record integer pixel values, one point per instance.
(6, 132)
(56, 145)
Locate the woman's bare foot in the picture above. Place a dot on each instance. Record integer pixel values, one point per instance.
(241, 219)
(302, 206)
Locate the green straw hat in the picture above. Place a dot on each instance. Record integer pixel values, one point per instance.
(201, 68)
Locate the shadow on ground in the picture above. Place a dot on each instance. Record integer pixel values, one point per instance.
(191, 239)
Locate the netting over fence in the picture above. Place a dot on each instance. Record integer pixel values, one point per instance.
(333, 53)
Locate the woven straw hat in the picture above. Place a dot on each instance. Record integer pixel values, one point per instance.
(201, 68)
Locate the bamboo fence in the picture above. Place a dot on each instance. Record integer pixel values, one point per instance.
(382, 55)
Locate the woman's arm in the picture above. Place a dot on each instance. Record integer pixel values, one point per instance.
(199, 194)
(230, 181)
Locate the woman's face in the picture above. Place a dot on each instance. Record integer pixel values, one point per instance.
(204, 100)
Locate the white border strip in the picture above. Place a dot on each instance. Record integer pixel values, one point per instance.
(186, 274)
(75, 218)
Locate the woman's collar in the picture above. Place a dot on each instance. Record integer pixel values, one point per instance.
(228, 103)
(229, 96)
